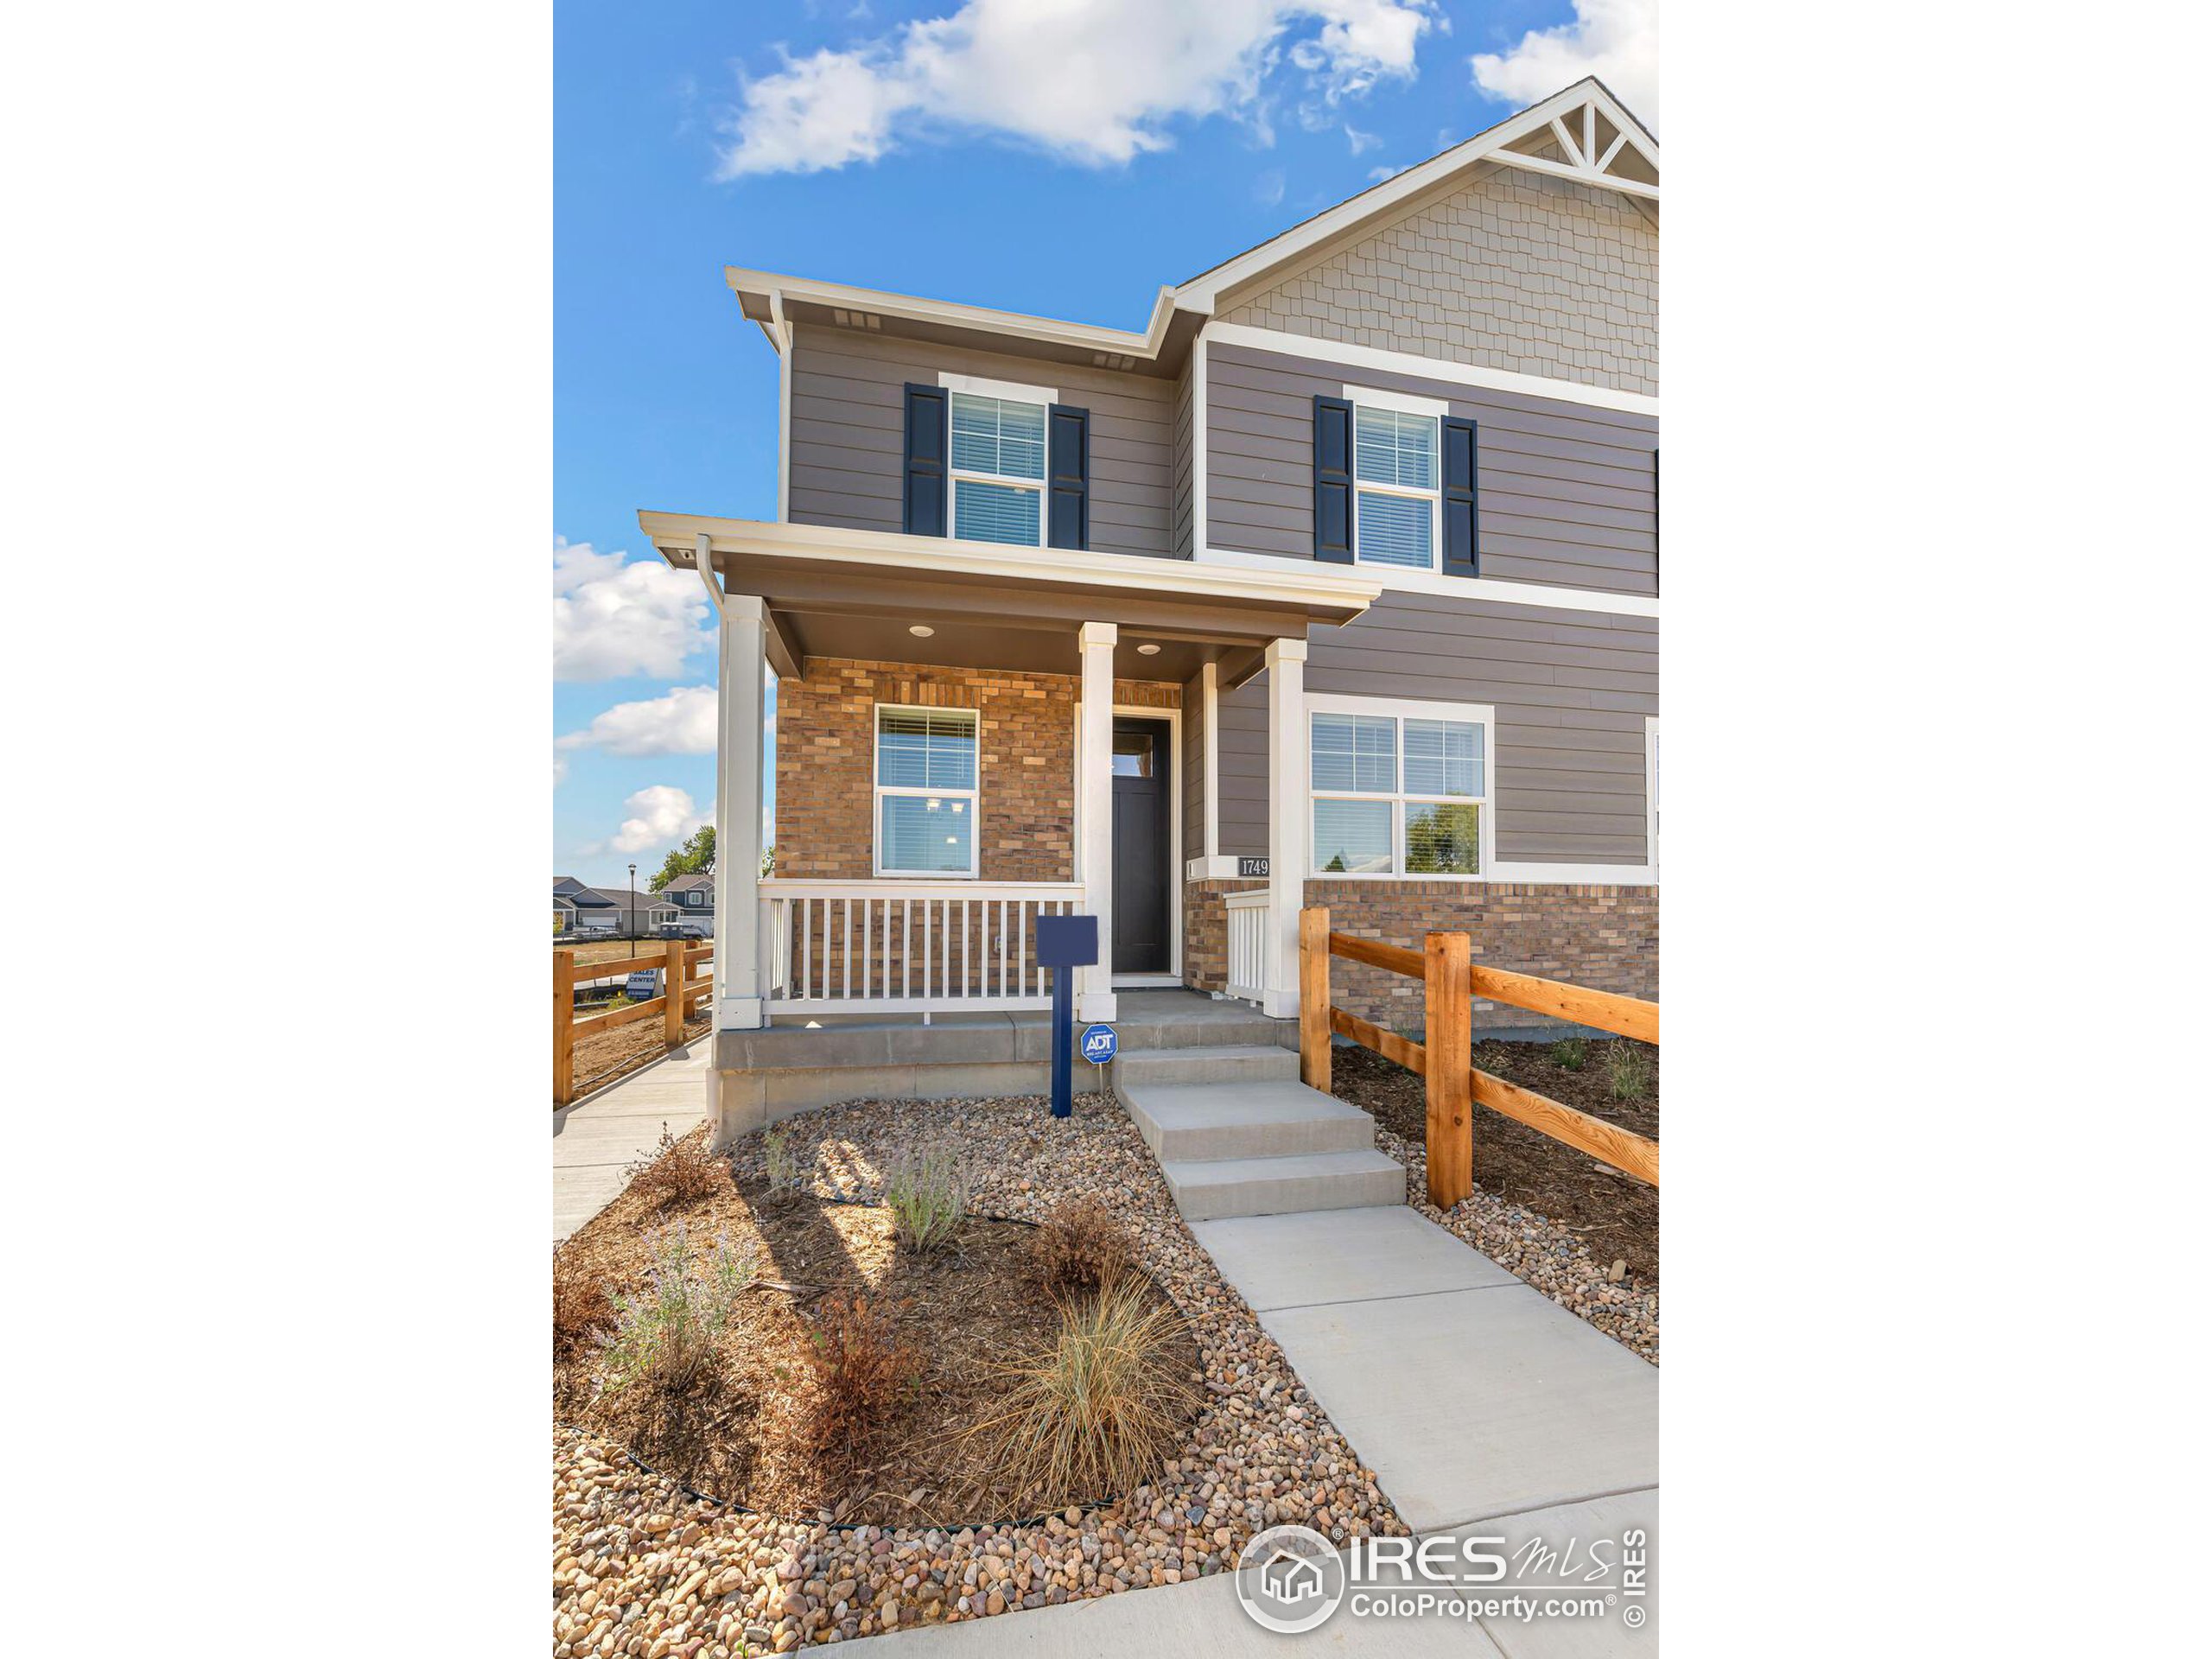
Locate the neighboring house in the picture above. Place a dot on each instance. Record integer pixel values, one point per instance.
(580, 909)
(689, 898)
(1338, 584)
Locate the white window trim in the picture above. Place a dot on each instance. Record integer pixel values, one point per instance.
(1403, 403)
(1402, 709)
(1651, 793)
(1006, 392)
(879, 789)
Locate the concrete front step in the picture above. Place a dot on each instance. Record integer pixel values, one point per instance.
(1184, 1121)
(1234, 1063)
(1214, 1188)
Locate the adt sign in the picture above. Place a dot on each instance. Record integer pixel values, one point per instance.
(1098, 1044)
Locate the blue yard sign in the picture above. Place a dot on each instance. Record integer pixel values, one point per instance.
(1099, 1043)
(643, 986)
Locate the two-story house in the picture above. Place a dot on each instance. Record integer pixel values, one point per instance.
(1338, 583)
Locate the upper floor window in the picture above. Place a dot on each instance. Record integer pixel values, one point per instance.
(1399, 788)
(1395, 478)
(998, 468)
(925, 795)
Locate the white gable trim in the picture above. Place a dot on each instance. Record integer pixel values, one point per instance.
(1203, 293)
(1313, 348)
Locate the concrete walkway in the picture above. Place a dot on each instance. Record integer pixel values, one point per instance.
(1485, 1409)
(601, 1135)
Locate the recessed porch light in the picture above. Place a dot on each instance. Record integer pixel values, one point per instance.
(920, 630)
(1147, 650)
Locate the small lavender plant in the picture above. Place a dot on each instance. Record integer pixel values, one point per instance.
(665, 1335)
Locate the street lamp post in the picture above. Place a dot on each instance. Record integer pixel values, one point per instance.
(634, 903)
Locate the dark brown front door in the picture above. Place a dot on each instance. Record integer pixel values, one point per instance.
(1142, 752)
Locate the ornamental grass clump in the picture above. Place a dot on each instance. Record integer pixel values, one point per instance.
(1101, 1411)
(1572, 1052)
(1627, 1071)
(666, 1335)
(926, 1191)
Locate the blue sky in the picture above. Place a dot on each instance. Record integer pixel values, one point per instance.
(1065, 160)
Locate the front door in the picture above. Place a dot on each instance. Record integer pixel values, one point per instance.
(1142, 879)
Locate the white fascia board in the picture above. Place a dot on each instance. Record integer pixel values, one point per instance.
(1403, 402)
(1314, 349)
(1204, 292)
(1086, 336)
(1281, 580)
(1433, 581)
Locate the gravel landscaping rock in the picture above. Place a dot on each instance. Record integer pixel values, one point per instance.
(1537, 1251)
(641, 1569)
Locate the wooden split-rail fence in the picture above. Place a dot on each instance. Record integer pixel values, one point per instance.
(683, 966)
(1451, 980)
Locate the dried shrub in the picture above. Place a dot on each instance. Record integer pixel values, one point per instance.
(665, 1335)
(679, 1171)
(1103, 1409)
(580, 1306)
(1081, 1246)
(785, 1177)
(1572, 1052)
(1627, 1071)
(927, 1192)
(863, 1365)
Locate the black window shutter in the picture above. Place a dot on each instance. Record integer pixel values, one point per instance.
(927, 408)
(1068, 475)
(1462, 556)
(1331, 480)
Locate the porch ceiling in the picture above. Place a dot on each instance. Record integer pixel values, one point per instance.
(858, 593)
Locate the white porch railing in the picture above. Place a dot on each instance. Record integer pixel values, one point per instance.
(1247, 944)
(907, 947)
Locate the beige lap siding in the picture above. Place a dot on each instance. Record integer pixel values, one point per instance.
(1605, 938)
(825, 763)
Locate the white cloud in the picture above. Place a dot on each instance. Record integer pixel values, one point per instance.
(1267, 188)
(1361, 141)
(560, 767)
(660, 816)
(613, 617)
(1092, 81)
(1616, 41)
(680, 722)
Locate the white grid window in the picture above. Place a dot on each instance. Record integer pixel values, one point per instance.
(925, 797)
(1398, 790)
(998, 470)
(1395, 478)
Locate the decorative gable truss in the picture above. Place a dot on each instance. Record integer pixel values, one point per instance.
(1593, 141)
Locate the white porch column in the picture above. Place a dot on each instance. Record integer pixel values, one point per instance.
(737, 816)
(1094, 807)
(1290, 823)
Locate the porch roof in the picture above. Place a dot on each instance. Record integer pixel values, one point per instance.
(860, 594)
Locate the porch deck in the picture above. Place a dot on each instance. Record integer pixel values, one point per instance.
(765, 1075)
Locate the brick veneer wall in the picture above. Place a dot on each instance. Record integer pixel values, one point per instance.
(1205, 932)
(825, 763)
(1604, 938)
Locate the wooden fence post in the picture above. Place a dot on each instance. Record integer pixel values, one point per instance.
(1449, 985)
(1313, 996)
(671, 990)
(564, 1025)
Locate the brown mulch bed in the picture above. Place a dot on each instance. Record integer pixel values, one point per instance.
(746, 1430)
(1616, 1216)
(605, 1055)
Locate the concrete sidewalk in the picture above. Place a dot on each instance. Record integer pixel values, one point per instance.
(1485, 1409)
(601, 1135)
